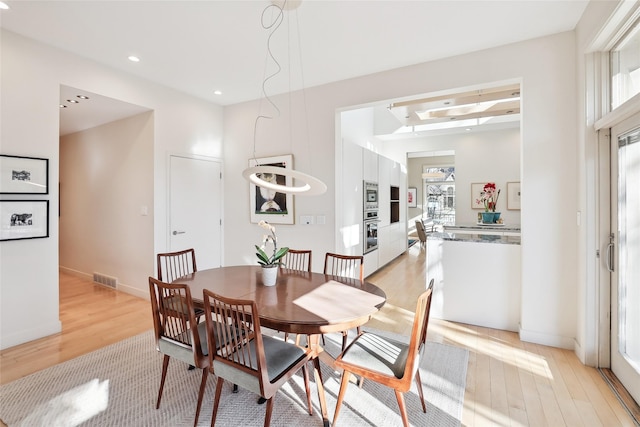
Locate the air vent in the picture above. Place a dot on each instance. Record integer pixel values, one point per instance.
(103, 279)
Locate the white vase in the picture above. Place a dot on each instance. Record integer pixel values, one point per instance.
(269, 275)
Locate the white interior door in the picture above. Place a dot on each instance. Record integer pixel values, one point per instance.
(624, 261)
(195, 200)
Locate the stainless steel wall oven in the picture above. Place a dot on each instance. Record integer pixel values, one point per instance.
(370, 217)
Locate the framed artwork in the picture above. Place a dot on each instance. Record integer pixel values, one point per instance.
(24, 219)
(476, 192)
(270, 205)
(412, 197)
(23, 175)
(513, 195)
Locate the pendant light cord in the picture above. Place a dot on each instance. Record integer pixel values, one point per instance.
(273, 26)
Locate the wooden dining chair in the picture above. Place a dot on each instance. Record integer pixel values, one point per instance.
(422, 233)
(173, 265)
(346, 266)
(297, 259)
(258, 363)
(387, 361)
(173, 315)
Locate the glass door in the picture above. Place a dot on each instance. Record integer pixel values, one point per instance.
(624, 253)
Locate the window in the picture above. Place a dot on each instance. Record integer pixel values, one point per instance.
(625, 67)
(439, 194)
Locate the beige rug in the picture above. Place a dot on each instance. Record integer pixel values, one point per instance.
(117, 386)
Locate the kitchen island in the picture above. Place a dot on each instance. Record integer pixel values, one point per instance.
(476, 278)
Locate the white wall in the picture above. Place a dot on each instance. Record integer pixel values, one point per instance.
(546, 69)
(312, 151)
(106, 180)
(491, 156)
(30, 77)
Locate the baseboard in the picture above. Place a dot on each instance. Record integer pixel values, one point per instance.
(133, 291)
(75, 273)
(547, 339)
(44, 329)
(123, 287)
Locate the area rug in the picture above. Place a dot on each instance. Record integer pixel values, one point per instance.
(117, 386)
(412, 242)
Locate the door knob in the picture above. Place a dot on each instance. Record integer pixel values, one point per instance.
(178, 232)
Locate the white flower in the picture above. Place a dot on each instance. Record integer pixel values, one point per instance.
(264, 224)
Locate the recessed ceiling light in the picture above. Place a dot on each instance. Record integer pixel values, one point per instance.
(133, 58)
(3, 5)
(73, 101)
(82, 96)
(468, 129)
(63, 106)
(217, 92)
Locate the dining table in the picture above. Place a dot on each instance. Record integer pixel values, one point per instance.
(300, 302)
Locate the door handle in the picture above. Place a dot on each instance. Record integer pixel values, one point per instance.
(610, 250)
(178, 232)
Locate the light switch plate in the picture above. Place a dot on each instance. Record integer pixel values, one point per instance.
(306, 219)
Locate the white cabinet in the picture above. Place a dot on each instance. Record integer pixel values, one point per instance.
(465, 296)
(358, 165)
(384, 191)
(369, 165)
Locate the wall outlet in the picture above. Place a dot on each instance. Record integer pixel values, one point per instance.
(306, 219)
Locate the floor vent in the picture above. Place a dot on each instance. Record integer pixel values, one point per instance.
(103, 279)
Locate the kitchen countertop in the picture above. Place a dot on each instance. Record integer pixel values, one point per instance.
(477, 238)
(496, 227)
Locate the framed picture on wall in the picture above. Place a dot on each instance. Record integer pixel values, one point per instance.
(270, 205)
(476, 192)
(23, 175)
(412, 195)
(24, 219)
(513, 195)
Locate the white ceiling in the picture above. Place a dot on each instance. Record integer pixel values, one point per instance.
(198, 47)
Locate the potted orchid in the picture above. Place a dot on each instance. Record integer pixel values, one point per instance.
(269, 263)
(489, 199)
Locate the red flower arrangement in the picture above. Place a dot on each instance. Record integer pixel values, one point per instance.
(489, 197)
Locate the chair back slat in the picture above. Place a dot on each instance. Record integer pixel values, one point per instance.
(173, 265)
(296, 259)
(344, 265)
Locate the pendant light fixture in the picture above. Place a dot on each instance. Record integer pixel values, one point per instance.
(305, 185)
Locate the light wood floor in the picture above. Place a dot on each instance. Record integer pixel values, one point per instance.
(509, 382)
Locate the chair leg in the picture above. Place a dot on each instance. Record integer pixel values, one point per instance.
(203, 385)
(403, 408)
(305, 374)
(267, 416)
(419, 384)
(343, 388)
(216, 400)
(165, 365)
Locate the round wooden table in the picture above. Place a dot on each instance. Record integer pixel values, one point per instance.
(300, 302)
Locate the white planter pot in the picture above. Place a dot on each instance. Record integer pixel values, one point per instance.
(269, 275)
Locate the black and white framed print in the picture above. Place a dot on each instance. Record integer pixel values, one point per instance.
(23, 175)
(24, 219)
(270, 205)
